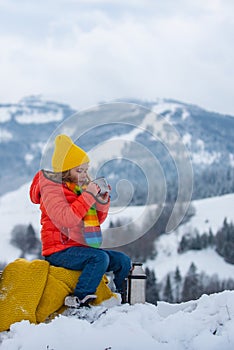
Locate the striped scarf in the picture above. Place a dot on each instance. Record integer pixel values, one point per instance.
(91, 227)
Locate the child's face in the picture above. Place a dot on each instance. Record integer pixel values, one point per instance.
(79, 174)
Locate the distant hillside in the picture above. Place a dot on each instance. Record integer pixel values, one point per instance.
(26, 127)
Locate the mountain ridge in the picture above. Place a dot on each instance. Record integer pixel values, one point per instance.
(25, 128)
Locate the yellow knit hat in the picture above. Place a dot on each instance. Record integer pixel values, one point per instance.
(67, 155)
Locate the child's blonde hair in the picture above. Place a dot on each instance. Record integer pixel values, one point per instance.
(62, 177)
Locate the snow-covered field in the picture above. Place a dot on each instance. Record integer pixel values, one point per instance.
(206, 323)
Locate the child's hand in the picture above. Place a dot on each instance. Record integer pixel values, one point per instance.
(93, 188)
(104, 197)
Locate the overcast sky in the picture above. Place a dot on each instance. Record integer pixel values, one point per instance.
(88, 51)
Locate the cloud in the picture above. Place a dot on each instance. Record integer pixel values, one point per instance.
(97, 50)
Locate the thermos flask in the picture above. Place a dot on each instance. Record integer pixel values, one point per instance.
(136, 285)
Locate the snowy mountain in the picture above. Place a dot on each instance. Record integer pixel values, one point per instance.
(206, 323)
(131, 134)
(24, 130)
(196, 324)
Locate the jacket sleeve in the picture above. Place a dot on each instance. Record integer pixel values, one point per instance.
(60, 211)
(102, 210)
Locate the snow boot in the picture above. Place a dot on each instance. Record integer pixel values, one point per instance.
(74, 302)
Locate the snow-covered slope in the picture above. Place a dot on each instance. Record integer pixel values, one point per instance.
(16, 208)
(206, 323)
(209, 214)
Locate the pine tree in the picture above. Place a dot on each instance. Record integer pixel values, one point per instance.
(183, 246)
(167, 293)
(225, 241)
(178, 281)
(197, 243)
(32, 242)
(211, 239)
(152, 295)
(24, 238)
(18, 238)
(191, 288)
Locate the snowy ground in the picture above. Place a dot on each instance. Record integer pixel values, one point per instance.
(207, 323)
(209, 214)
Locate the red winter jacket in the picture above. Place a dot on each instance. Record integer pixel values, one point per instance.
(62, 212)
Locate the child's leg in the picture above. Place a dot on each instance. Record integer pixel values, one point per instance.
(120, 264)
(91, 261)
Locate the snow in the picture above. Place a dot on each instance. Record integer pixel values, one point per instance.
(16, 208)
(185, 114)
(127, 214)
(205, 323)
(30, 116)
(206, 260)
(187, 138)
(28, 158)
(201, 156)
(5, 113)
(209, 214)
(162, 107)
(231, 159)
(170, 108)
(204, 157)
(5, 135)
(116, 144)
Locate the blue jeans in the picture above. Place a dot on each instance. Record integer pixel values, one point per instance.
(93, 263)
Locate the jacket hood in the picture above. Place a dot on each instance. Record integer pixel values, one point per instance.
(35, 188)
